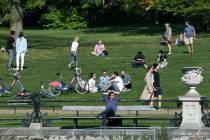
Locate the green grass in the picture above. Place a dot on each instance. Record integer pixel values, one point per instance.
(49, 53)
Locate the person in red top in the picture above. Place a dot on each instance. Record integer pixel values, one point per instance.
(99, 49)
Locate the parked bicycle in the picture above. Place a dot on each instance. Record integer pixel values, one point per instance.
(16, 82)
(81, 86)
(55, 88)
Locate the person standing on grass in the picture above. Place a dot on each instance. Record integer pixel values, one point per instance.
(189, 35)
(21, 49)
(11, 49)
(148, 92)
(73, 53)
(111, 101)
(168, 37)
(157, 88)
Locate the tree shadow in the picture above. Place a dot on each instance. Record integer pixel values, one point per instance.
(185, 52)
(148, 30)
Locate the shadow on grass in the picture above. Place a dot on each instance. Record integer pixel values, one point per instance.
(149, 30)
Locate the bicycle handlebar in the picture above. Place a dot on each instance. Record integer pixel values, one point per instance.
(15, 74)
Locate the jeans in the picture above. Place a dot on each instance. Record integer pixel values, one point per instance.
(74, 59)
(106, 114)
(11, 54)
(18, 56)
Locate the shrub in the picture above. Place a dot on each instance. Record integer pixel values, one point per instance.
(56, 19)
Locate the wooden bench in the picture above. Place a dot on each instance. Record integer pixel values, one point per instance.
(102, 108)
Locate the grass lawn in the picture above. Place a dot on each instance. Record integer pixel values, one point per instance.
(48, 53)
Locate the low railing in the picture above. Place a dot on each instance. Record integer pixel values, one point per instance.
(169, 119)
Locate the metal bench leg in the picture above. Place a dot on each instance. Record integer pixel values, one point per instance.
(135, 122)
(75, 123)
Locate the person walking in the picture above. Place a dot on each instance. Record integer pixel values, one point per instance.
(157, 88)
(148, 92)
(73, 53)
(189, 35)
(11, 49)
(21, 49)
(168, 37)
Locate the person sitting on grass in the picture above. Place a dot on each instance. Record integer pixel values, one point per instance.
(99, 49)
(126, 81)
(92, 83)
(180, 40)
(111, 101)
(103, 80)
(139, 60)
(115, 84)
(162, 59)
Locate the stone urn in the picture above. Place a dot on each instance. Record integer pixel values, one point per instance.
(192, 77)
(191, 108)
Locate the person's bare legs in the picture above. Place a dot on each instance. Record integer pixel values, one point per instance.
(169, 49)
(159, 102)
(191, 48)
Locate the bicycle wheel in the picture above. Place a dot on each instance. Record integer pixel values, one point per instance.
(46, 94)
(54, 91)
(1, 93)
(82, 87)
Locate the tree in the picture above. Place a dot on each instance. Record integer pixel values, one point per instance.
(16, 13)
(197, 11)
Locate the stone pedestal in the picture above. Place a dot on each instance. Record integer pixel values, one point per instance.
(36, 125)
(191, 113)
(191, 108)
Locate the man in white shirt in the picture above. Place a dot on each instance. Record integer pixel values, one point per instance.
(21, 49)
(73, 53)
(115, 83)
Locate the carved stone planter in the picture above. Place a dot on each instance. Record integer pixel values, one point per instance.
(191, 108)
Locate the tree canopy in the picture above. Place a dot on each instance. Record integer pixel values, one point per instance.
(77, 14)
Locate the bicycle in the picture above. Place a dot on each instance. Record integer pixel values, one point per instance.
(16, 82)
(55, 88)
(81, 86)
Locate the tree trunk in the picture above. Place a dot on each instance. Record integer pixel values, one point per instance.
(16, 22)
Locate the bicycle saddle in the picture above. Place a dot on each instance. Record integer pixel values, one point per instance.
(58, 73)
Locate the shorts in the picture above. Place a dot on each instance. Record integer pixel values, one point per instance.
(158, 91)
(188, 40)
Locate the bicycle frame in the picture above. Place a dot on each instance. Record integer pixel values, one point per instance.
(16, 82)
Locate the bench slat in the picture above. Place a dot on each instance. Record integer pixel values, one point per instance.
(102, 108)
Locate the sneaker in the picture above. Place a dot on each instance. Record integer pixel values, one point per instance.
(69, 66)
(10, 68)
(98, 116)
(17, 69)
(21, 68)
(153, 108)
